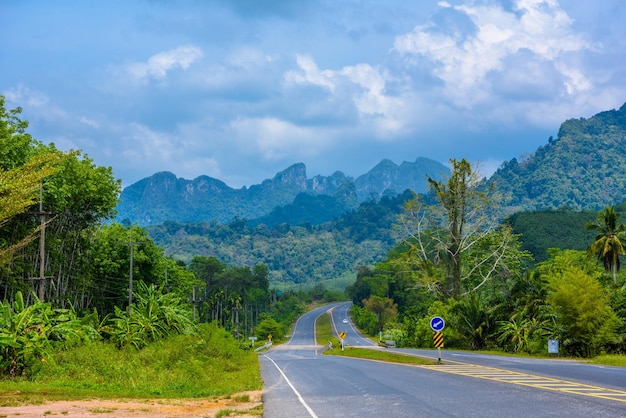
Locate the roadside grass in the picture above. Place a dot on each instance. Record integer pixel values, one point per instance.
(378, 354)
(610, 360)
(618, 360)
(324, 334)
(209, 364)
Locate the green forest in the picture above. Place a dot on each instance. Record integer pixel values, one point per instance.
(70, 277)
(460, 263)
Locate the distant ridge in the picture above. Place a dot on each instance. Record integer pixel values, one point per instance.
(583, 168)
(164, 197)
(308, 242)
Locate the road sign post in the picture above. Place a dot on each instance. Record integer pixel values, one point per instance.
(553, 346)
(342, 335)
(437, 324)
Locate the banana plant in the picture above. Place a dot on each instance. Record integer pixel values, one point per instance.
(23, 335)
(155, 315)
(31, 333)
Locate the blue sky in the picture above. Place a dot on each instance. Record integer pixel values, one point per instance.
(241, 89)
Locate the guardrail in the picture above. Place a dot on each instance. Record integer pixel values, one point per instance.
(264, 346)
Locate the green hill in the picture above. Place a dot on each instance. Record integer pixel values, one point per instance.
(584, 168)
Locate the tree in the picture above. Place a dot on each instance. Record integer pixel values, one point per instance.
(76, 197)
(455, 228)
(23, 167)
(383, 308)
(18, 191)
(156, 315)
(610, 242)
(474, 320)
(108, 281)
(583, 318)
(27, 333)
(268, 328)
(582, 312)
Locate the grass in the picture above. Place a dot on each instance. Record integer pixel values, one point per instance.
(323, 332)
(379, 354)
(610, 360)
(618, 360)
(203, 366)
(337, 284)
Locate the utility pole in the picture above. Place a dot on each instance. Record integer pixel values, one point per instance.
(131, 244)
(42, 247)
(41, 289)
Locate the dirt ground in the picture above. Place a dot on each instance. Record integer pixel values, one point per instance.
(156, 408)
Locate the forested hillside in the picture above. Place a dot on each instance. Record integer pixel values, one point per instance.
(544, 229)
(312, 229)
(301, 254)
(583, 168)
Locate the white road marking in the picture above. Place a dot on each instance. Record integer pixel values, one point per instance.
(300, 398)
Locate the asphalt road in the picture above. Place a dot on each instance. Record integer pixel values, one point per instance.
(302, 382)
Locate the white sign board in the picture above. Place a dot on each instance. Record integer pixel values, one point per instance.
(553, 346)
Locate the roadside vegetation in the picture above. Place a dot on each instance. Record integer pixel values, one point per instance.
(207, 364)
(324, 335)
(458, 262)
(90, 308)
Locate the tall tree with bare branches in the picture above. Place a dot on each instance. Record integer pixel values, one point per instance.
(455, 228)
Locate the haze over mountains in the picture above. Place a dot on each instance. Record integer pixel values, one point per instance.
(164, 197)
(583, 168)
(319, 230)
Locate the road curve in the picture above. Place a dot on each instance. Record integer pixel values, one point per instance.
(302, 382)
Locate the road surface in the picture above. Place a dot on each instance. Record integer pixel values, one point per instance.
(302, 382)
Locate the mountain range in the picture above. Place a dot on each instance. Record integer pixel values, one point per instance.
(164, 197)
(319, 230)
(583, 168)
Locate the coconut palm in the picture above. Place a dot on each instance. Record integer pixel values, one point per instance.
(610, 241)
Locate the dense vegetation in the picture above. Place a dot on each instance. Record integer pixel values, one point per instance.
(78, 289)
(583, 168)
(302, 255)
(453, 265)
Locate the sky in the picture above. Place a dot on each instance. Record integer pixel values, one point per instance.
(242, 89)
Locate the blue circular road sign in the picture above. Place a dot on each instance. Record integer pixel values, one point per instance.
(437, 323)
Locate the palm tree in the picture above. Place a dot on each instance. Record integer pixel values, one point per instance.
(610, 241)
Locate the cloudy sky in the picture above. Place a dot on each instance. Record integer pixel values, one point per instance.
(241, 89)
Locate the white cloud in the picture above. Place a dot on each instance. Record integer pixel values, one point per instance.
(575, 81)
(35, 103)
(144, 145)
(249, 58)
(160, 64)
(38, 107)
(310, 74)
(89, 122)
(275, 139)
(465, 60)
(363, 85)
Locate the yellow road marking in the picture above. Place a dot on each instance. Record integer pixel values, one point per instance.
(524, 379)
